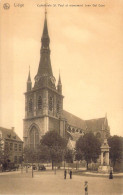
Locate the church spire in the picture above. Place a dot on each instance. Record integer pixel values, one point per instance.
(59, 81)
(29, 83)
(59, 86)
(45, 36)
(44, 68)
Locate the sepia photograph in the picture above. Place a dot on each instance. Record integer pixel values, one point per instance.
(61, 97)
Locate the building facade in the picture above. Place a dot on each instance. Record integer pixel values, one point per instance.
(44, 105)
(12, 145)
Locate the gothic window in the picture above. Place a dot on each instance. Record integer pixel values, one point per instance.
(50, 103)
(39, 103)
(57, 107)
(34, 138)
(30, 105)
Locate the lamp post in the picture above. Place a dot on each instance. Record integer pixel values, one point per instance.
(26, 166)
(64, 158)
(32, 169)
(55, 168)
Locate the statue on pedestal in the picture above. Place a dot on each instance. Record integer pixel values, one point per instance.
(104, 167)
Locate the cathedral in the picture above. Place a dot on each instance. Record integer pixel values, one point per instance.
(44, 105)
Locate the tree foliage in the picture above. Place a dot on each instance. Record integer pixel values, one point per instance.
(88, 148)
(44, 153)
(69, 156)
(1, 150)
(52, 147)
(30, 155)
(116, 148)
(4, 152)
(7, 153)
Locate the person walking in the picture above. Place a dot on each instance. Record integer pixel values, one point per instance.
(70, 174)
(86, 188)
(65, 174)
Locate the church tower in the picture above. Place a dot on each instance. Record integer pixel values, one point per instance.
(44, 101)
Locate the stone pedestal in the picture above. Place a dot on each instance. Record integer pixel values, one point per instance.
(104, 169)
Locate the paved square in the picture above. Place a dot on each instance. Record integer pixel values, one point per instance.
(54, 184)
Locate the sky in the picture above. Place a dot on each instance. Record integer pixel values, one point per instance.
(86, 45)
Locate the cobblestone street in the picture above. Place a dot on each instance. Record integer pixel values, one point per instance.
(50, 183)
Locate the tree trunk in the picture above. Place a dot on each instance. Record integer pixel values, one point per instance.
(87, 165)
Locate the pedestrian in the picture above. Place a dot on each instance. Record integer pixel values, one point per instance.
(65, 174)
(1, 167)
(86, 188)
(70, 174)
(111, 175)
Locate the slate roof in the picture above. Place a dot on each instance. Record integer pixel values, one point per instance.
(9, 134)
(74, 120)
(86, 125)
(95, 124)
(90, 125)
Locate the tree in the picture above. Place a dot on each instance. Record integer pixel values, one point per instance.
(69, 156)
(4, 152)
(54, 146)
(1, 150)
(30, 155)
(88, 148)
(7, 153)
(44, 153)
(116, 148)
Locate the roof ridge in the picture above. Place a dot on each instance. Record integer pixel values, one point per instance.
(95, 119)
(73, 115)
(6, 131)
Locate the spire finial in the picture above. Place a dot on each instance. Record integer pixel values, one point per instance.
(29, 83)
(45, 30)
(45, 9)
(59, 78)
(29, 78)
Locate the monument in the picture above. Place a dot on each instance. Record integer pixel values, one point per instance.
(105, 166)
